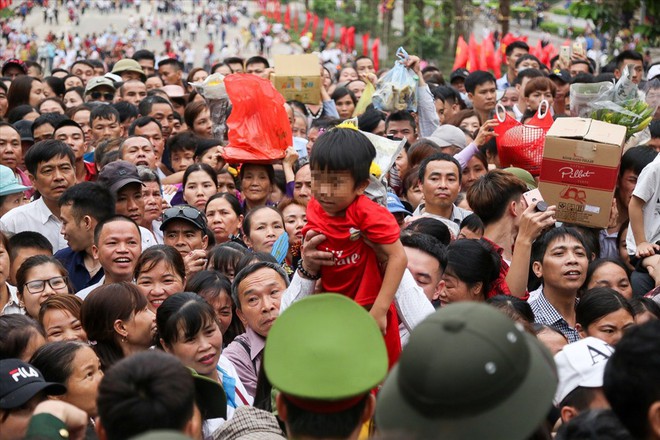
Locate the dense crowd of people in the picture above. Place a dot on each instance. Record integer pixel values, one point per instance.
(150, 287)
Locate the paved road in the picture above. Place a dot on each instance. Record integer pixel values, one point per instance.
(94, 22)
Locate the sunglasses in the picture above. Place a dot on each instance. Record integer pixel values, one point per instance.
(106, 96)
(187, 212)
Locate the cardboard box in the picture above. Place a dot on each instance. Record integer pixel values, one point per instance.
(579, 170)
(298, 77)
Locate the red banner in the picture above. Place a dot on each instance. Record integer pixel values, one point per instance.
(365, 44)
(473, 55)
(332, 30)
(278, 12)
(350, 38)
(461, 58)
(315, 24)
(326, 26)
(308, 22)
(342, 36)
(287, 17)
(375, 52)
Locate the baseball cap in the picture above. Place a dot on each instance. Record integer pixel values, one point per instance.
(118, 174)
(14, 62)
(317, 361)
(581, 364)
(8, 182)
(99, 81)
(394, 204)
(184, 212)
(654, 72)
(20, 382)
(447, 136)
(458, 73)
(523, 175)
(24, 128)
(128, 65)
(250, 423)
(468, 372)
(562, 75)
(210, 397)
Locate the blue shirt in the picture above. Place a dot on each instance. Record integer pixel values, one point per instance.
(74, 262)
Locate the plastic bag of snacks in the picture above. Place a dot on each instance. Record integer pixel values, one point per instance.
(620, 104)
(397, 90)
(214, 91)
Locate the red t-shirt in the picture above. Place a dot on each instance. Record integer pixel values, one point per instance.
(356, 272)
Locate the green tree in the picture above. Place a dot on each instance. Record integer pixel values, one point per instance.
(614, 15)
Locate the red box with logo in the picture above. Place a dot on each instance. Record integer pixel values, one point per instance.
(579, 170)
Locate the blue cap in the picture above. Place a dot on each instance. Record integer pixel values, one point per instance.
(8, 182)
(394, 204)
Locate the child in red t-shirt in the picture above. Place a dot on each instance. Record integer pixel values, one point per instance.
(340, 163)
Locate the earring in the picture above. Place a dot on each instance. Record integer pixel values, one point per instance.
(123, 339)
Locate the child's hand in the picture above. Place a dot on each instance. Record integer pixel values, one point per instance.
(381, 319)
(646, 249)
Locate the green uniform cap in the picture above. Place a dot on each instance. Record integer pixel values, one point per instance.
(210, 397)
(468, 372)
(325, 347)
(523, 175)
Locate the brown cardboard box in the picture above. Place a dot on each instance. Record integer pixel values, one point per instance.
(298, 77)
(579, 170)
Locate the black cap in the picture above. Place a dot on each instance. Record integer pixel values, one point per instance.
(14, 62)
(117, 175)
(20, 382)
(24, 128)
(562, 75)
(186, 213)
(458, 73)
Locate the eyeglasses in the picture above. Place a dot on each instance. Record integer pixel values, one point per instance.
(187, 212)
(55, 283)
(106, 96)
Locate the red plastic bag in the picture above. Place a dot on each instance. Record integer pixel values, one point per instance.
(258, 126)
(521, 145)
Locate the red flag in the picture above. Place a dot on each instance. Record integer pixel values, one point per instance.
(536, 50)
(315, 24)
(375, 52)
(308, 22)
(332, 30)
(488, 52)
(287, 17)
(461, 58)
(473, 55)
(497, 64)
(295, 20)
(350, 37)
(278, 12)
(326, 26)
(549, 52)
(342, 36)
(365, 44)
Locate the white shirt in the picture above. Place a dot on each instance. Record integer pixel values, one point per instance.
(13, 305)
(82, 294)
(148, 238)
(411, 303)
(35, 216)
(647, 189)
(211, 425)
